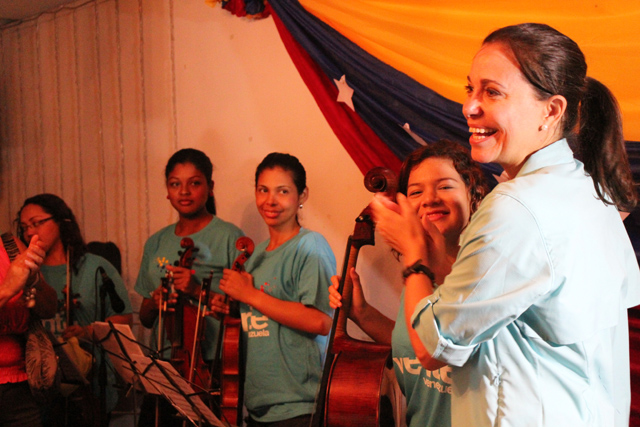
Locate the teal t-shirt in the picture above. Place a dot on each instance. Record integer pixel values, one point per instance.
(428, 393)
(284, 365)
(86, 285)
(216, 250)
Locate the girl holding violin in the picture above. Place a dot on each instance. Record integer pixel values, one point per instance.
(442, 183)
(284, 301)
(49, 217)
(189, 183)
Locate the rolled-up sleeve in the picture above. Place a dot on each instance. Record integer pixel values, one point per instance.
(440, 348)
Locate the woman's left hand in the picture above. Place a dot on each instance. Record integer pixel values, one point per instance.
(399, 225)
(182, 279)
(237, 285)
(217, 305)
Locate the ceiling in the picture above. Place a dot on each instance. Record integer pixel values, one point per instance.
(11, 10)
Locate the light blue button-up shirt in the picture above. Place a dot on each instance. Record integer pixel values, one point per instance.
(533, 315)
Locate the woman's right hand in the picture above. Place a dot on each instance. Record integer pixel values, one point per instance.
(24, 268)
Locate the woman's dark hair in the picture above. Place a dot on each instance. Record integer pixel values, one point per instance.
(468, 170)
(70, 234)
(288, 163)
(202, 162)
(554, 65)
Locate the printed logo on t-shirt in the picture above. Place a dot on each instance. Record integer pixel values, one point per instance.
(439, 379)
(255, 326)
(58, 323)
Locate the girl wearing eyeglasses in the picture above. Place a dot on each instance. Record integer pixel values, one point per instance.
(48, 216)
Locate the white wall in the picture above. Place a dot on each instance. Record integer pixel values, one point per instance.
(94, 100)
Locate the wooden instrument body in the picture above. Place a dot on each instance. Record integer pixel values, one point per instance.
(355, 394)
(232, 371)
(230, 360)
(356, 373)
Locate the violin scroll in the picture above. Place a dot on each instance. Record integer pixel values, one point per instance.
(246, 246)
(188, 254)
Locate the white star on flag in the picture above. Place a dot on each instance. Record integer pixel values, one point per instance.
(344, 92)
(413, 135)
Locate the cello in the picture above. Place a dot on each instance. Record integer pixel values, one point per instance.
(356, 373)
(229, 361)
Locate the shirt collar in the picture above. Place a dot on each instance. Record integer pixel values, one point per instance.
(553, 154)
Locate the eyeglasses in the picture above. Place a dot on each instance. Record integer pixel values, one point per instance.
(26, 227)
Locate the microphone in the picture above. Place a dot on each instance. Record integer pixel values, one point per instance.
(116, 302)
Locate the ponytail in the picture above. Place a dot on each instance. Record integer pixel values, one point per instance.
(211, 204)
(602, 147)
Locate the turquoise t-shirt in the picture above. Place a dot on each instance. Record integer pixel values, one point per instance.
(284, 365)
(428, 393)
(86, 285)
(216, 250)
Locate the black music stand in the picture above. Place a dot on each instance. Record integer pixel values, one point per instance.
(152, 375)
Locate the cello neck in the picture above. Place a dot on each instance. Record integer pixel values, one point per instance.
(345, 289)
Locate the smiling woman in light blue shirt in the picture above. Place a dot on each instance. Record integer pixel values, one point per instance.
(532, 315)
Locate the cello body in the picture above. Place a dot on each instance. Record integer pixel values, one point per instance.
(357, 374)
(365, 404)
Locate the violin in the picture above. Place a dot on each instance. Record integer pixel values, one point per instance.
(356, 372)
(184, 325)
(229, 360)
